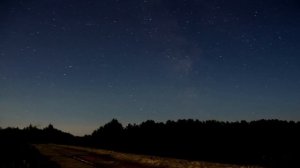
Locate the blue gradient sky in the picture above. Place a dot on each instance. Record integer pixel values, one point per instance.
(78, 64)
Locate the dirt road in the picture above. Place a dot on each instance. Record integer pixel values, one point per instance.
(78, 157)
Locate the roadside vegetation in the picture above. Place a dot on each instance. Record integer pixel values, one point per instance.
(16, 152)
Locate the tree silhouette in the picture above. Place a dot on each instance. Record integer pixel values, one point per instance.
(265, 142)
(110, 135)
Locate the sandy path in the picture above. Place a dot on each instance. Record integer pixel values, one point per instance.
(79, 157)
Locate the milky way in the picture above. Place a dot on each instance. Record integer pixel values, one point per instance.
(78, 64)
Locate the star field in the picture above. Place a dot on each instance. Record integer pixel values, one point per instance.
(78, 64)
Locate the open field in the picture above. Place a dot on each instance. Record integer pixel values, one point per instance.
(79, 157)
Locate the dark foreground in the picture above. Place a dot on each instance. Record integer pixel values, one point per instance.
(22, 155)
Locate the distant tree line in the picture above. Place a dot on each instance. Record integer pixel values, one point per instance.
(271, 143)
(32, 134)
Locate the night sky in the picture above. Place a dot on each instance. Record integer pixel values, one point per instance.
(79, 63)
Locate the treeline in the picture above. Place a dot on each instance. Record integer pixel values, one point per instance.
(32, 134)
(271, 143)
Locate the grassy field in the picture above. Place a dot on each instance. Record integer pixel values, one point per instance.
(80, 157)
